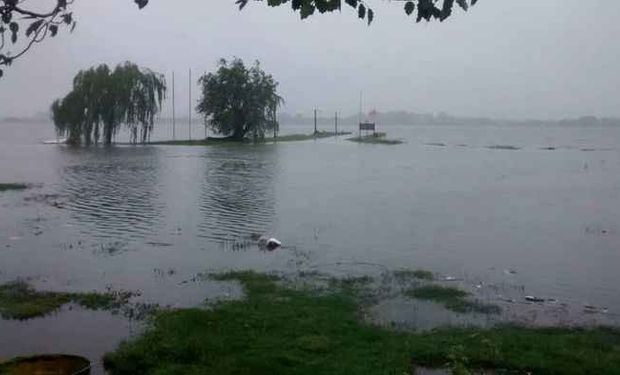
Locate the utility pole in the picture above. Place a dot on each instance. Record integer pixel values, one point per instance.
(275, 125)
(315, 131)
(174, 120)
(360, 115)
(336, 122)
(190, 104)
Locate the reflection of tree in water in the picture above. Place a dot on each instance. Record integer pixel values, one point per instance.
(237, 198)
(112, 192)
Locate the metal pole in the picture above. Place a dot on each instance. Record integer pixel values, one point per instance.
(190, 104)
(174, 120)
(336, 122)
(315, 131)
(360, 114)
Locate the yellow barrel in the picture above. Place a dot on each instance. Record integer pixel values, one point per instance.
(46, 365)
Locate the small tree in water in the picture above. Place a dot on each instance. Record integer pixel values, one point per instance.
(103, 100)
(237, 101)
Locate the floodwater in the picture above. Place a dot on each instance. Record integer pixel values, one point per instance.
(512, 211)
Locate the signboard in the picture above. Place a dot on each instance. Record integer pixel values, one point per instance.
(367, 126)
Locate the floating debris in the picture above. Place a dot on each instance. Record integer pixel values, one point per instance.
(534, 299)
(159, 244)
(269, 243)
(589, 309)
(510, 271)
(503, 147)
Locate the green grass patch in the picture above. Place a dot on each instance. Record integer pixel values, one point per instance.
(279, 330)
(13, 186)
(228, 141)
(306, 137)
(20, 301)
(201, 142)
(452, 298)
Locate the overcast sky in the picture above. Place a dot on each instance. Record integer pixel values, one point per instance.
(503, 58)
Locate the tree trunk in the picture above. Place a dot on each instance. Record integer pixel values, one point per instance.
(239, 133)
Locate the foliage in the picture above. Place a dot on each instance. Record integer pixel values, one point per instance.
(18, 300)
(279, 330)
(18, 21)
(420, 9)
(13, 186)
(102, 100)
(237, 101)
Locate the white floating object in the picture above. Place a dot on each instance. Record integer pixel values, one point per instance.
(55, 141)
(269, 243)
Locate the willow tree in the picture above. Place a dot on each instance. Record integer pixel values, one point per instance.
(238, 101)
(103, 100)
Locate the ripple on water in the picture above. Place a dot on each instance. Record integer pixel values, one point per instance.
(111, 199)
(237, 198)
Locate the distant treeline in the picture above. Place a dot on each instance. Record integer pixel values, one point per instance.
(410, 118)
(393, 118)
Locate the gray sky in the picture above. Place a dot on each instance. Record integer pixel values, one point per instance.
(504, 58)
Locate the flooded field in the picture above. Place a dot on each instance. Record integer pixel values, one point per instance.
(504, 212)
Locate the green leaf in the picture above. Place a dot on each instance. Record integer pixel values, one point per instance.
(307, 9)
(53, 30)
(142, 3)
(447, 9)
(242, 3)
(361, 11)
(463, 4)
(67, 18)
(409, 7)
(297, 4)
(33, 27)
(352, 3)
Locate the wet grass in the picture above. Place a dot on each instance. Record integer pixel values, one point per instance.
(13, 186)
(306, 137)
(375, 140)
(228, 141)
(453, 299)
(279, 330)
(20, 301)
(201, 142)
